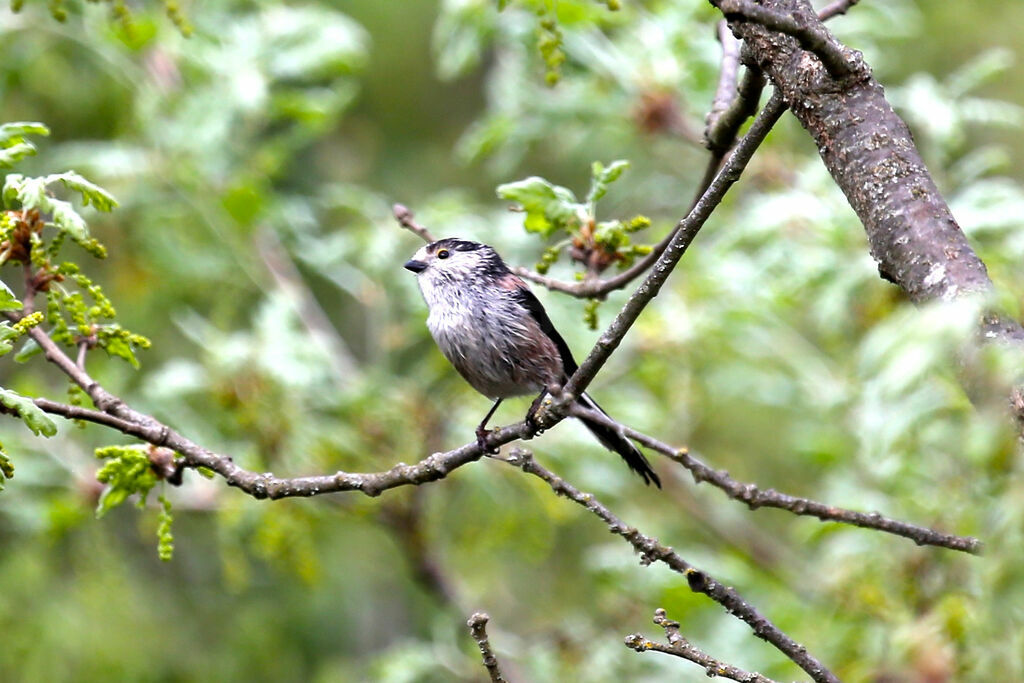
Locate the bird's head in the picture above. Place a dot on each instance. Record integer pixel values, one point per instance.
(454, 260)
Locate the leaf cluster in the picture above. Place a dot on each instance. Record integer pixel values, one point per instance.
(551, 210)
(130, 470)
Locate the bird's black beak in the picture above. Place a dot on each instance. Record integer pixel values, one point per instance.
(415, 266)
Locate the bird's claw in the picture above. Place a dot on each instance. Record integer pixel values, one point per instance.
(532, 424)
(481, 442)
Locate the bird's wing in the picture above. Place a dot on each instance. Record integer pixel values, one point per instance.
(530, 302)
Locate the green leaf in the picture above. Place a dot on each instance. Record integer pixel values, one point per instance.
(549, 208)
(31, 415)
(67, 219)
(7, 336)
(91, 192)
(127, 471)
(13, 133)
(118, 346)
(33, 193)
(7, 300)
(28, 349)
(15, 153)
(602, 177)
(6, 467)
(12, 189)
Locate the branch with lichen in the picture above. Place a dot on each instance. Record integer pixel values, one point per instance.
(651, 550)
(679, 646)
(478, 629)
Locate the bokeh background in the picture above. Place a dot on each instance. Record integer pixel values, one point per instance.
(256, 162)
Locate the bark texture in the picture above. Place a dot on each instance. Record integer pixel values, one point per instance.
(870, 153)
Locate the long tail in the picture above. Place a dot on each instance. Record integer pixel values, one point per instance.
(615, 441)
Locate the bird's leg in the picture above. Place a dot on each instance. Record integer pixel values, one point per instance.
(531, 414)
(481, 430)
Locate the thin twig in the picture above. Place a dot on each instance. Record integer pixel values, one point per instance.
(681, 647)
(267, 485)
(651, 550)
(755, 497)
(721, 130)
(725, 92)
(406, 219)
(29, 297)
(478, 629)
(115, 413)
(836, 8)
(83, 348)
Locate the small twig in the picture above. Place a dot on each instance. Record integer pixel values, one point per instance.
(478, 629)
(755, 497)
(83, 348)
(805, 28)
(728, 75)
(651, 550)
(29, 297)
(721, 130)
(406, 219)
(681, 647)
(79, 413)
(836, 8)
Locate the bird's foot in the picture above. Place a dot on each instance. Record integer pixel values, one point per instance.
(481, 441)
(533, 427)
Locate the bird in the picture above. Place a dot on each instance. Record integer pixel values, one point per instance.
(494, 330)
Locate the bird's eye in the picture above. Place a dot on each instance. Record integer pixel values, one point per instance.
(444, 253)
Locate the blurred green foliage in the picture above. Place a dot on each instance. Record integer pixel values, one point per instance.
(255, 163)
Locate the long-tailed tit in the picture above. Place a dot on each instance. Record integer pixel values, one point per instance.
(496, 333)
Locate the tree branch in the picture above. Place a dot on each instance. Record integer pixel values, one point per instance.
(478, 629)
(755, 497)
(680, 647)
(651, 550)
(438, 465)
(804, 26)
(870, 153)
(406, 219)
(836, 8)
(116, 414)
(731, 106)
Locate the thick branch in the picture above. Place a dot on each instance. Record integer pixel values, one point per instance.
(478, 629)
(871, 155)
(651, 550)
(681, 647)
(755, 497)
(804, 26)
